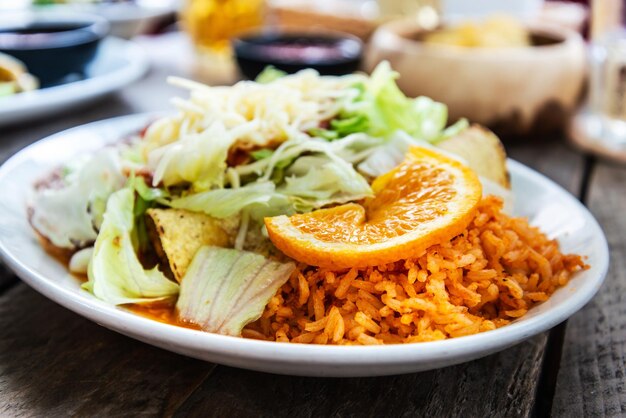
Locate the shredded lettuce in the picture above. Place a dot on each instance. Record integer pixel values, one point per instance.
(386, 157)
(269, 74)
(199, 159)
(310, 183)
(146, 192)
(380, 109)
(223, 203)
(351, 149)
(311, 173)
(326, 182)
(115, 273)
(70, 216)
(277, 204)
(261, 154)
(453, 130)
(146, 198)
(224, 289)
(7, 88)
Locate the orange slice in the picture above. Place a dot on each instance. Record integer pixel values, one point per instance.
(426, 200)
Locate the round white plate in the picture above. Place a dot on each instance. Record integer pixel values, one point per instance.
(546, 204)
(117, 64)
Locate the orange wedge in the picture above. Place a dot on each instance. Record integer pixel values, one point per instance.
(426, 200)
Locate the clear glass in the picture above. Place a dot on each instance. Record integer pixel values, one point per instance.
(607, 94)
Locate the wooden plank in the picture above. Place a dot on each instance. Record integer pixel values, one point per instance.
(592, 378)
(498, 385)
(54, 363)
(552, 158)
(503, 384)
(7, 278)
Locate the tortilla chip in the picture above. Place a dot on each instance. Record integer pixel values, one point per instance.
(177, 235)
(483, 152)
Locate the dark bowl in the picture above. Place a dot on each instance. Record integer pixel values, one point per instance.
(52, 45)
(328, 53)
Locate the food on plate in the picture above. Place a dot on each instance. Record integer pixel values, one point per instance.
(177, 234)
(482, 151)
(14, 77)
(303, 208)
(226, 289)
(490, 274)
(426, 200)
(493, 32)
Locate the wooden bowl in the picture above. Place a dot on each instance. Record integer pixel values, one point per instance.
(516, 91)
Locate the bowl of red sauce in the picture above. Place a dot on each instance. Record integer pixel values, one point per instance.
(330, 53)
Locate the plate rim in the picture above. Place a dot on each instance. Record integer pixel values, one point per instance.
(189, 341)
(85, 89)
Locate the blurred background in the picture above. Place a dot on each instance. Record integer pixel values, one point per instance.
(522, 67)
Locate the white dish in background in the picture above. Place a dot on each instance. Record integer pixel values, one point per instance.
(117, 64)
(547, 205)
(462, 9)
(127, 18)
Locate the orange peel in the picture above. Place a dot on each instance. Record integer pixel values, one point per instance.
(427, 200)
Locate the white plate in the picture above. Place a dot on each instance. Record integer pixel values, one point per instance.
(117, 64)
(546, 204)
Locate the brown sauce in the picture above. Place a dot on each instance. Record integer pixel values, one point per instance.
(164, 312)
(161, 312)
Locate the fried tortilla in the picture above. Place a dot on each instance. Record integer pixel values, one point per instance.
(178, 234)
(483, 152)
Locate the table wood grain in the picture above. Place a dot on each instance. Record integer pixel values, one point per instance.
(592, 377)
(55, 363)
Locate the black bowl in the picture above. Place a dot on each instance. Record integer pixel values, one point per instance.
(52, 45)
(328, 53)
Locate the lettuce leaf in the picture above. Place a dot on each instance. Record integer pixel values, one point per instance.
(262, 153)
(225, 289)
(380, 109)
(223, 203)
(144, 191)
(326, 181)
(199, 159)
(386, 157)
(70, 216)
(115, 273)
(7, 88)
(145, 199)
(269, 74)
(309, 173)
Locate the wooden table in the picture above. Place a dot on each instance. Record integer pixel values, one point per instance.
(55, 363)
